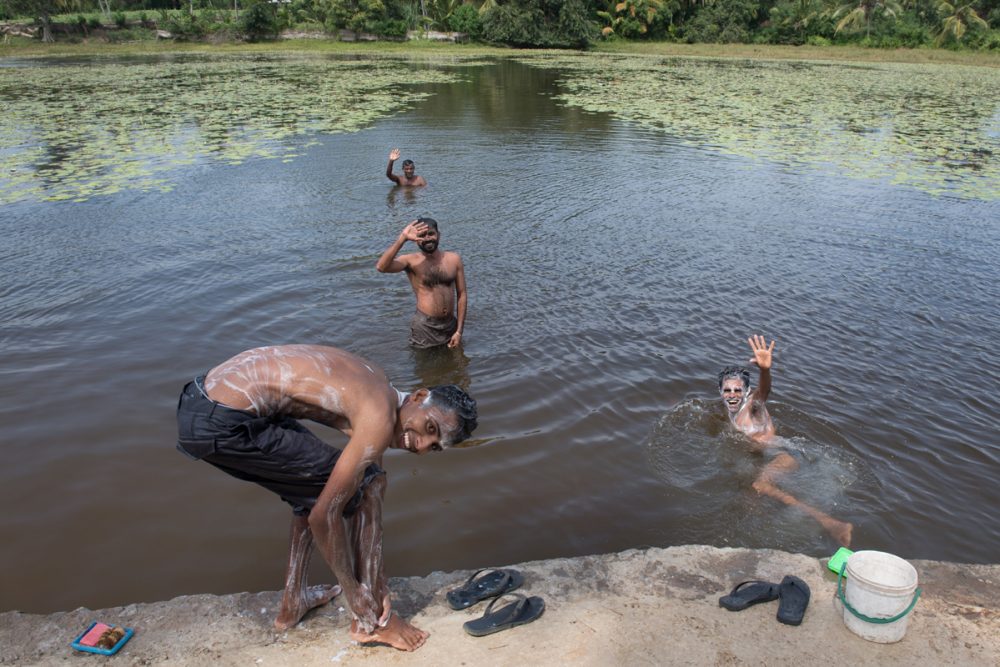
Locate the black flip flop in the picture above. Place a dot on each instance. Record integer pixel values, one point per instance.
(490, 585)
(794, 594)
(749, 593)
(525, 610)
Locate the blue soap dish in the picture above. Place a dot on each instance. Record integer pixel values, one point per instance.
(96, 649)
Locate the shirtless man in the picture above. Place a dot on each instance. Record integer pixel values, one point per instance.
(242, 418)
(748, 413)
(409, 176)
(438, 281)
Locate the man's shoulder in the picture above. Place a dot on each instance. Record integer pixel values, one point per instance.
(411, 259)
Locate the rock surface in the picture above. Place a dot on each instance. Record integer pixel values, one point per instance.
(638, 607)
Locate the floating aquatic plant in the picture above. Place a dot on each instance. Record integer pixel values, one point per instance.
(932, 127)
(74, 131)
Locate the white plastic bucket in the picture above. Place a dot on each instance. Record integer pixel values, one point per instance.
(879, 595)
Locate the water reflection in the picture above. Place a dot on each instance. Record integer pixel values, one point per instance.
(397, 192)
(441, 365)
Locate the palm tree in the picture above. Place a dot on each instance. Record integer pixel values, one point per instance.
(643, 11)
(858, 13)
(802, 14)
(441, 10)
(956, 20)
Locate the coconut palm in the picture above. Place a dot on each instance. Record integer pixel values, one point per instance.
(858, 13)
(642, 11)
(801, 14)
(955, 20)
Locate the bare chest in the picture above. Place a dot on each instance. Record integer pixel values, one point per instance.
(431, 276)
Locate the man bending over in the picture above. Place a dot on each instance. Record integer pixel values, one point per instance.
(242, 418)
(748, 413)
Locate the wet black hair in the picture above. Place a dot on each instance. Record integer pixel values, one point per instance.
(735, 372)
(430, 222)
(452, 397)
(407, 163)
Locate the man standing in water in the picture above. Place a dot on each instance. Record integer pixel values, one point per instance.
(748, 413)
(438, 281)
(409, 176)
(241, 418)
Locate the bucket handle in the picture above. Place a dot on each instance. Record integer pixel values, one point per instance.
(869, 619)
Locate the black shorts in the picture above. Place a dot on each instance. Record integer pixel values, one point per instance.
(277, 453)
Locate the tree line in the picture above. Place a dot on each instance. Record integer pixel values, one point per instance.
(554, 23)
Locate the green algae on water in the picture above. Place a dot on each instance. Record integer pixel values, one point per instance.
(72, 131)
(932, 127)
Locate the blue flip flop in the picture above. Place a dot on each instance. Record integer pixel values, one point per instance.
(794, 594)
(489, 585)
(749, 593)
(525, 610)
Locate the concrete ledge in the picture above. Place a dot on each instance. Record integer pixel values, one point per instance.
(638, 607)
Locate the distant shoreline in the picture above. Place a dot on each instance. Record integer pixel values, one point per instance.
(22, 48)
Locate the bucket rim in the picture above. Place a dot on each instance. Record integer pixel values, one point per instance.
(900, 564)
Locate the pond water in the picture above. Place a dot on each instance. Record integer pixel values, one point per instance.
(162, 214)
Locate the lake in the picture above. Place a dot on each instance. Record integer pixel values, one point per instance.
(625, 222)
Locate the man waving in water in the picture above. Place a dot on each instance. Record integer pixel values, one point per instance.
(242, 418)
(438, 281)
(409, 176)
(748, 413)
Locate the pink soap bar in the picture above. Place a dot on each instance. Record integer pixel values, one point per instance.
(90, 639)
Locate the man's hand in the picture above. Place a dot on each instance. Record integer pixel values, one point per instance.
(386, 610)
(455, 339)
(415, 231)
(362, 605)
(394, 155)
(761, 352)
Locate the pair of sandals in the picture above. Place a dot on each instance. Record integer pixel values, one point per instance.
(792, 592)
(496, 584)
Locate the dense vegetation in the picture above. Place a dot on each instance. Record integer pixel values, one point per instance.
(536, 23)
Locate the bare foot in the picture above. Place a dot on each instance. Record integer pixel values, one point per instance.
(293, 611)
(397, 633)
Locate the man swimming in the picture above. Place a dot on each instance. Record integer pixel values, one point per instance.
(242, 418)
(438, 281)
(748, 412)
(409, 176)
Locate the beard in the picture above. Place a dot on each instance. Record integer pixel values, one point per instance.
(428, 246)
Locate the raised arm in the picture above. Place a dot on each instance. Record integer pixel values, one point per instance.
(463, 302)
(761, 359)
(388, 263)
(329, 527)
(393, 156)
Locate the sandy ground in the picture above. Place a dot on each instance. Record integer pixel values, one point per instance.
(639, 607)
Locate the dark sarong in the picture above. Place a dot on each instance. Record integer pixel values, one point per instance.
(277, 452)
(427, 331)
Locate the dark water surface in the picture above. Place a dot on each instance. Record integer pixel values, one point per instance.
(612, 271)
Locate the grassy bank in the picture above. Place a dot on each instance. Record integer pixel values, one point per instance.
(18, 46)
(32, 47)
(784, 52)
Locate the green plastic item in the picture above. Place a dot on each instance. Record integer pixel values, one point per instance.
(839, 559)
